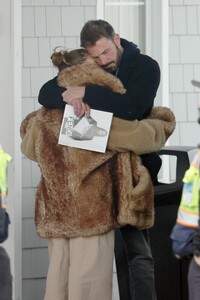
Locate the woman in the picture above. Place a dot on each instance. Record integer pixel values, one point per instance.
(83, 195)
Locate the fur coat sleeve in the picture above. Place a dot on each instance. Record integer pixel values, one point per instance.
(145, 136)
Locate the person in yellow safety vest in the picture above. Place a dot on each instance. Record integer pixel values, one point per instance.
(4, 159)
(186, 232)
(5, 270)
(194, 268)
(188, 213)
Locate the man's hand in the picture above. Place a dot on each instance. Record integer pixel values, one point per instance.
(74, 92)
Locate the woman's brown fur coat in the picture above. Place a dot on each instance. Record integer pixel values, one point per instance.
(84, 193)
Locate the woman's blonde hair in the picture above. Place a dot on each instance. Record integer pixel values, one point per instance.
(63, 58)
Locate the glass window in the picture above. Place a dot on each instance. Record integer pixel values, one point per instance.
(128, 19)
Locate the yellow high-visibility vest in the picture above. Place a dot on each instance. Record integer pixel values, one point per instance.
(4, 159)
(188, 212)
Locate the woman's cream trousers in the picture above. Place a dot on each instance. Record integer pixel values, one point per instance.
(80, 268)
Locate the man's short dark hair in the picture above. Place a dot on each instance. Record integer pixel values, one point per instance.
(94, 30)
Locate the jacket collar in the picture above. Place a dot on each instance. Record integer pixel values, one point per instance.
(130, 54)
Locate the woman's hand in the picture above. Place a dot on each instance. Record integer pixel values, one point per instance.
(80, 108)
(74, 92)
(74, 96)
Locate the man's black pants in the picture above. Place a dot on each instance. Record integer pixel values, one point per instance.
(134, 263)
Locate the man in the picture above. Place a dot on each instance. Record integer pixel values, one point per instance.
(140, 75)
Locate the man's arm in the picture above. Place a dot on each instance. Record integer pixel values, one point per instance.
(50, 95)
(141, 87)
(137, 103)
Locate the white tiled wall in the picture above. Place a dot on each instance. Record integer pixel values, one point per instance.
(184, 57)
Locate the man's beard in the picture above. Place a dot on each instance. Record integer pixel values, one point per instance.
(112, 66)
